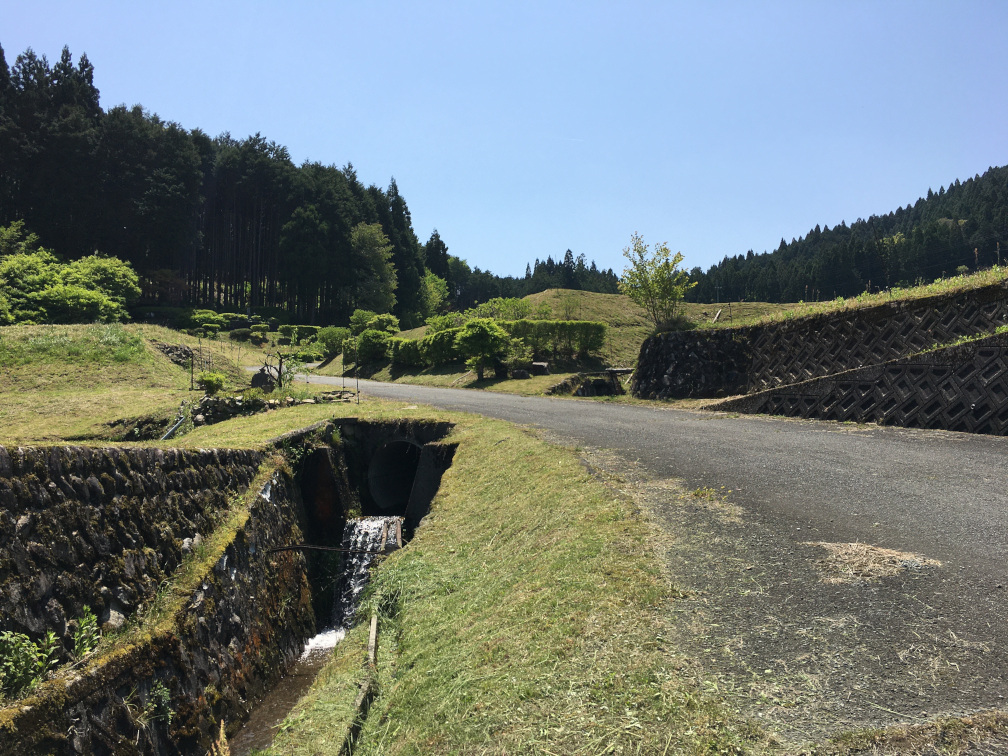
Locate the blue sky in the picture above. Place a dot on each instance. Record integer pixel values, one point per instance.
(520, 130)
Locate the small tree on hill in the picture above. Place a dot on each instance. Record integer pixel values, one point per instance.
(654, 281)
(481, 342)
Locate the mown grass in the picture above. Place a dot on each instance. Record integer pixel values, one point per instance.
(71, 382)
(526, 616)
(68, 381)
(951, 285)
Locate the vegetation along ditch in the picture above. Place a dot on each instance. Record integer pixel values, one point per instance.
(150, 594)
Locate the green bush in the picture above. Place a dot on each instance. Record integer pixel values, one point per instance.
(211, 382)
(273, 324)
(196, 319)
(405, 352)
(210, 328)
(436, 323)
(331, 339)
(439, 348)
(69, 303)
(388, 323)
(559, 338)
(482, 342)
(360, 319)
(240, 334)
(372, 345)
(260, 328)
(287, 331)
(24, 663)
(307, 332)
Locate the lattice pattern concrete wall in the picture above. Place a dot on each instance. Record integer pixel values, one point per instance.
(734, 361)
(962, 388)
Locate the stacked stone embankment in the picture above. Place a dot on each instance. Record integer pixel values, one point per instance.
(102, 527)
(726, 362)
(108, 528)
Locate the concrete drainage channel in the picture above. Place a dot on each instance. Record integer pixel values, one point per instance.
(223, 641)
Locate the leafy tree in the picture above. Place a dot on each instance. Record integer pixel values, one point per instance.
(359, 320)
(482, 342)
(373, 261)
(110, 276)
(654, 281)
(434, 294)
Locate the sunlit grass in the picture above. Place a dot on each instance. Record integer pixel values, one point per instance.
(526, 616)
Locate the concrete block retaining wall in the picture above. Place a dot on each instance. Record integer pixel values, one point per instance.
(962, 388)
(730, 361)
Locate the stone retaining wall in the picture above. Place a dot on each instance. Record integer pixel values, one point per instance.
(730, 361)
(962, 388)
(102, 528)
(237, 628)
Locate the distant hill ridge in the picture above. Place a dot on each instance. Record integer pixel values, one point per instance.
(959, 226)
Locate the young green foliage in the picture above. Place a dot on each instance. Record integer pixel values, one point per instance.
(482, 342)
(654, 281)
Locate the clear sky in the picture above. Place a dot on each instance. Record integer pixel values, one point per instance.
(522, 129)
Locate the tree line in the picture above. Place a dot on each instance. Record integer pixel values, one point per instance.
(955, 229)
(221, 222)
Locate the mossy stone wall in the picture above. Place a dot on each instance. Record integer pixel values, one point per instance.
(102, 527)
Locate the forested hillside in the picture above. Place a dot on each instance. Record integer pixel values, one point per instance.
(220, 222)
(962, 225)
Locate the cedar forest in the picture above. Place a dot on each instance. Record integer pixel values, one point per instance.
(233, 224)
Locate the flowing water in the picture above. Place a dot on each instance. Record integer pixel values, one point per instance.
(365, 539)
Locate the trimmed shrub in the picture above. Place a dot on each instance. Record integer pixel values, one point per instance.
(240, 334)
(210, 328)
(388, 323)
(260, 328)
(360, 319)
(211, 382)
(436, 323)
(307, 332)
(372, 345)
(559, 337)
(405, 352)
(287, 331)
(331, 339)
(196, 319)
(439, 348)
(273, 324)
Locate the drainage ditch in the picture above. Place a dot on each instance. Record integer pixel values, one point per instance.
(362, 500)
(110, 528)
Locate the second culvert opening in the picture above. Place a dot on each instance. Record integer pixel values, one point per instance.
(391, 473)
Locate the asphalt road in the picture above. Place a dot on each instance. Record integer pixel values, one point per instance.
(942, 495)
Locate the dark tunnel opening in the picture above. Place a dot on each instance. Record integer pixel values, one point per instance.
(391, 475)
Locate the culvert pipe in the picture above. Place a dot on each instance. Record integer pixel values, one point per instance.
(391, 473)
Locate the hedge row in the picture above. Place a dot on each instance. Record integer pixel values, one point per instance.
(564, 338)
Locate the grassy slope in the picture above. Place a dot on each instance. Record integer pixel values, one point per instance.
(69, 382)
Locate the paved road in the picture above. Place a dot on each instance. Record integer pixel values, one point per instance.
(944, 495)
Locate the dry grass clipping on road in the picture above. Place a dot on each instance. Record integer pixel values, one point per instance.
(847, 562)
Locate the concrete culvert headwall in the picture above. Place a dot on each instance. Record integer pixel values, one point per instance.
(397, 467)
